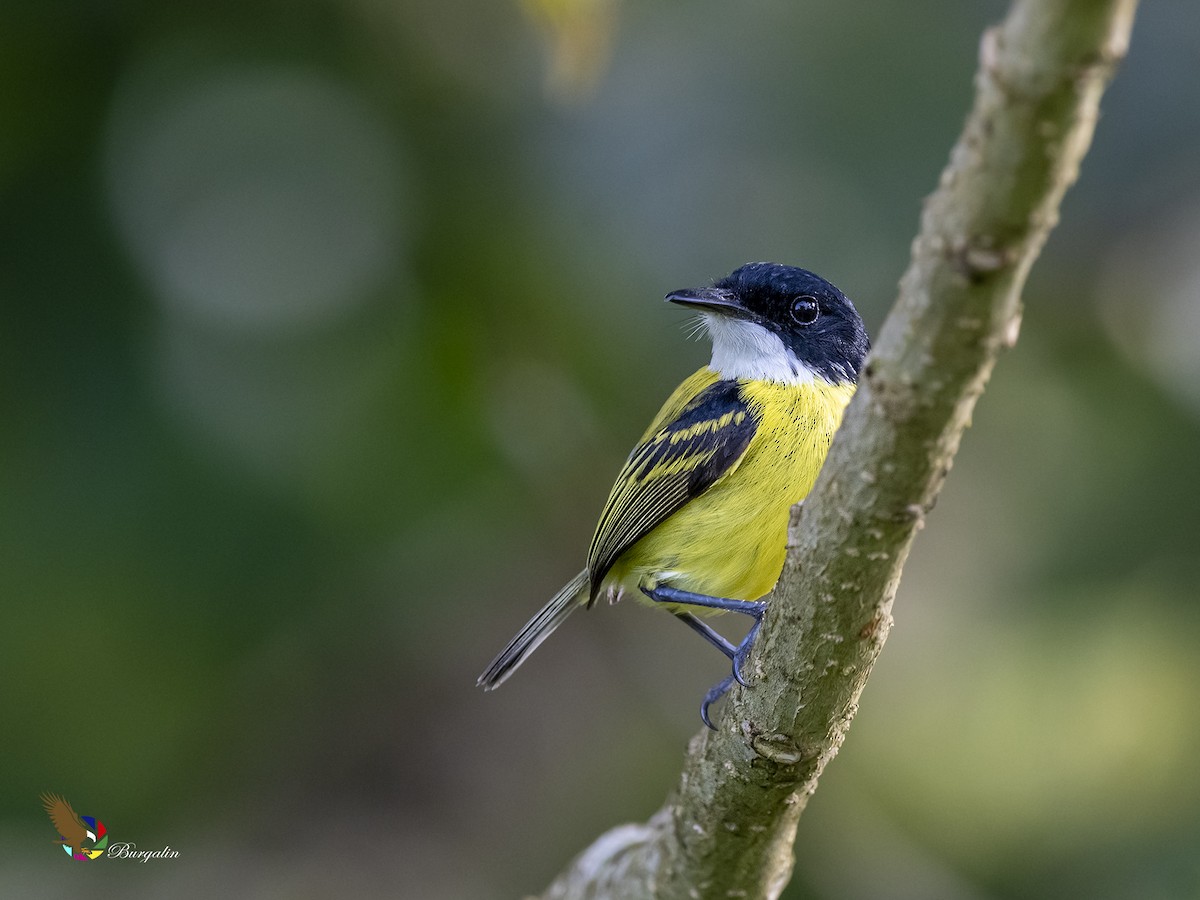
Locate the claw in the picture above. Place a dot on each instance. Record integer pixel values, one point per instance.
(737, 670)
(715, 693)
(743, 651)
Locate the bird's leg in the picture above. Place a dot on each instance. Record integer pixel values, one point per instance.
(706, 631)
(753, 608)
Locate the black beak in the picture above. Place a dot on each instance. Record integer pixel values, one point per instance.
(710, 300)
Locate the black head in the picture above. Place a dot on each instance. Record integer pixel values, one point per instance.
(814, 321)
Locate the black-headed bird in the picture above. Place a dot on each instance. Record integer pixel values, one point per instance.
(697, 519)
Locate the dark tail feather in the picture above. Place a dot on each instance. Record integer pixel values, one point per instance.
(536, 630)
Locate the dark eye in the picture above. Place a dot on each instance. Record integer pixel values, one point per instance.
(805, 310)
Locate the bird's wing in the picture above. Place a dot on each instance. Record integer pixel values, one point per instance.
(69, 825)
(690, 446)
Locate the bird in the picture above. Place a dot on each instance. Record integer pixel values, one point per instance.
(696, 521)
(72, 832)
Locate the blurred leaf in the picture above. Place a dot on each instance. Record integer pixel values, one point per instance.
(578, 35)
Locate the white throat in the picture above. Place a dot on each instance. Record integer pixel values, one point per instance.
(744, 349)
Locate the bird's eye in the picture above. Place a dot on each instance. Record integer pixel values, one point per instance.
(805, 310)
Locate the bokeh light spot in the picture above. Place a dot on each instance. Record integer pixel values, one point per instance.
(259, 201)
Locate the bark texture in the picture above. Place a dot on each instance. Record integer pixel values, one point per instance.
(728, 828)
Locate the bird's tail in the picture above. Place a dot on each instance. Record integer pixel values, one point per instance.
(573, 594)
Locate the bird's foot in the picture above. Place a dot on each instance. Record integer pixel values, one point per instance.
(738, 655)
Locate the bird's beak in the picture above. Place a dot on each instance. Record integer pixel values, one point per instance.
(712, 300)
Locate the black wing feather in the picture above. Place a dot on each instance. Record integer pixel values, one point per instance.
(678, 462)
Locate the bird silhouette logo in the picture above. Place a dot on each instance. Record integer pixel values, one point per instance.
(82, 837)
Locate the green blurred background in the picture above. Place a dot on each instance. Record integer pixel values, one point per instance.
(326, 326)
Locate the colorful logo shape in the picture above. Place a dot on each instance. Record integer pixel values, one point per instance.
(82, 837)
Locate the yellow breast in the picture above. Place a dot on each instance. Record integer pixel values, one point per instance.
(731, 540)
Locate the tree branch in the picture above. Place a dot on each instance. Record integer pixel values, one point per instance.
(729, 827)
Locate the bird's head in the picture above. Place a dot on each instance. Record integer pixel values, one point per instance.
(779, 323)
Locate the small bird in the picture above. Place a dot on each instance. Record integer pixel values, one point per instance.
(697, 519)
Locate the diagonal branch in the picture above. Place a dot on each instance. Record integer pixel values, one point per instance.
(728, 829)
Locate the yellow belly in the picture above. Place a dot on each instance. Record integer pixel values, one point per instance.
(731, 540)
